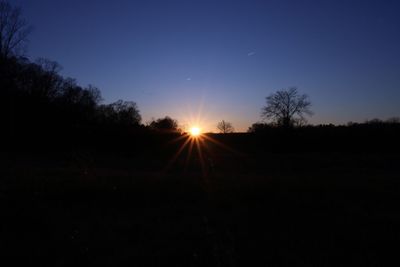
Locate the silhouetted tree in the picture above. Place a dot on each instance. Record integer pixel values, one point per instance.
(287, 107)
(165, 124)
(225, 127)
(259, 127)
(374, 121)
(41, 79)
(38, 100)
(393, 120)
(14, 30)
(124, 113)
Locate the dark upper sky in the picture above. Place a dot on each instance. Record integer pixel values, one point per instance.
(223, 57)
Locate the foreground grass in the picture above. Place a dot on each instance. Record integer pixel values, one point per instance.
(274, 210)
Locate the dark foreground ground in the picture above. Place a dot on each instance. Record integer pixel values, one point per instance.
(270, 209)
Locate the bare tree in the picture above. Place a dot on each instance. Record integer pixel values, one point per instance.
(225, 127)
(14, 30)
(287, 107)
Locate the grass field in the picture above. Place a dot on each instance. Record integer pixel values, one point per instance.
(278, 209)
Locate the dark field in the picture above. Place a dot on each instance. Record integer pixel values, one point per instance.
(88, 179)
(242, 208)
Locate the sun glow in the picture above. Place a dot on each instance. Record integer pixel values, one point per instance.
(195, 131)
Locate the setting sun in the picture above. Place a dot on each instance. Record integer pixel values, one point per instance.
(195, 131)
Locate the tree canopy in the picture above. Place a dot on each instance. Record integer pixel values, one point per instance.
(287, 107)
(166, 124)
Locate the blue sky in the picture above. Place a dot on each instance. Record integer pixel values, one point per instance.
(222, 58)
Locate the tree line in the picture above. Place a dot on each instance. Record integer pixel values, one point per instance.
(36, 97)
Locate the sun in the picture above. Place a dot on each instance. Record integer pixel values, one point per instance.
(195, 131)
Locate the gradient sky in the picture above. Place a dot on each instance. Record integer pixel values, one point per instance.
(222, 58)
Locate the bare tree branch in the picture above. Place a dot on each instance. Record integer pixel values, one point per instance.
(14, 30)
(287, 107)
(225, 127)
